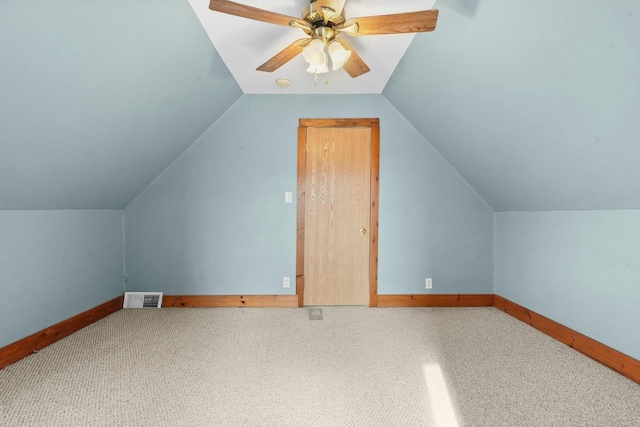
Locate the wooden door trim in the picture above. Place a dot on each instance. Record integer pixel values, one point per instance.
(338, 123)
(302, 168)
(374, 124)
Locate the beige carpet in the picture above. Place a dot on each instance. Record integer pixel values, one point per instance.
(274, 367)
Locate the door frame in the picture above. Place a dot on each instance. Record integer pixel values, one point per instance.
(374, 124)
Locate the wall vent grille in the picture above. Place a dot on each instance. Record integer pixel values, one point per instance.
(142, 299)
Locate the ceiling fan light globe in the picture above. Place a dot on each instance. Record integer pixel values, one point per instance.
(318, 69)
(313, 49)
(339, 55)
(316, 58)
(316, 44)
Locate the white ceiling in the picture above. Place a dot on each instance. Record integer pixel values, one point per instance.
(244, 44)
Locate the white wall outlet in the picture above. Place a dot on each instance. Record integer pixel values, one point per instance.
(286, 282)
(288, 197)
(428, 283)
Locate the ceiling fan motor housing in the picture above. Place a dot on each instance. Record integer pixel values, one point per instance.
(326, 34)
(315, 17)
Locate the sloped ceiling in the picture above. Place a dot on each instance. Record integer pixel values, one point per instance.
(98, 97)
(535, 103)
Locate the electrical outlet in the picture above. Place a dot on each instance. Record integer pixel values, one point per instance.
(428, 283)
(286, 282)
(288, 197)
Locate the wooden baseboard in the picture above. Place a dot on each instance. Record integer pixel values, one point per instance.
(470, 300)
(614, 359)
(26, 346)
(281, 301)
(619, 362)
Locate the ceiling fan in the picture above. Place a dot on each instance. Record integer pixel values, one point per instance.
(325, 23)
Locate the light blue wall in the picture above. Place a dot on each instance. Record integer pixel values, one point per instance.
(215, 221)
(581, 269)
(98, 97)
(534, 103)
(56, 264)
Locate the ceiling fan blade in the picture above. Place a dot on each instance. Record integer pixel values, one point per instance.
(409, 22)
(284, 56)
(355, 66)
(322, 6)
(339, 6)
(250, 12)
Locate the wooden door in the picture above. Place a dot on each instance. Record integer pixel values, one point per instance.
(338, 215)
